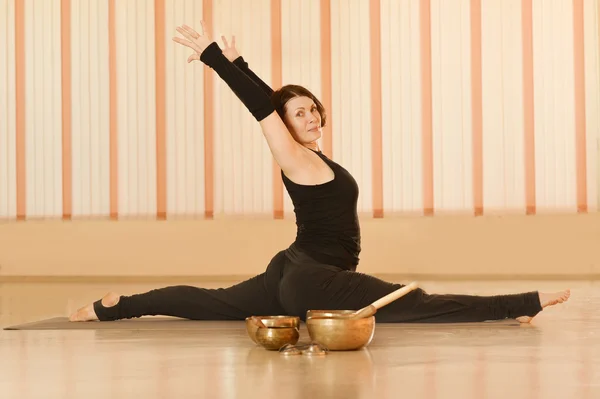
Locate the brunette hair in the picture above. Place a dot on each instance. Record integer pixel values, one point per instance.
(280, 97)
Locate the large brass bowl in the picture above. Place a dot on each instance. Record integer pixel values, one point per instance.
(328, 313)
(270, 321)
(273, 338)
(339, 333)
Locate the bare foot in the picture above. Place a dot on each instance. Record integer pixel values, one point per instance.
(87, 312)
(548, 300)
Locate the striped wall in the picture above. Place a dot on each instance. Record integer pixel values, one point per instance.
(243, 166)
(137, 130)
(435, 106)
(8, 152)
(185, 189)
(43, 159)
(88, 109)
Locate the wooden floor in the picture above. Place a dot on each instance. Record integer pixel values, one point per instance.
(558, 356)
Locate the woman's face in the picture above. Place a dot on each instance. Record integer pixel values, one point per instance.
(303, 120)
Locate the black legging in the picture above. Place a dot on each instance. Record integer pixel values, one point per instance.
(294, 283)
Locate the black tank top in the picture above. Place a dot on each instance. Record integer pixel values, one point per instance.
(327, 223)
(326, 216)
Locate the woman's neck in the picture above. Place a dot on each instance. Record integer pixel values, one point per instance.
(313, 146)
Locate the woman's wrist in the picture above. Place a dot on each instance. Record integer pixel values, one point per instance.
(211, 53)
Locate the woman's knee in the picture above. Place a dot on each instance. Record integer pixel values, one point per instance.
(403, 307)
(274, 271)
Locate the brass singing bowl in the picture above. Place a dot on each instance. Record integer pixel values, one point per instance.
(270, 321)
(330, 328)
(328, 313)
(273, 338)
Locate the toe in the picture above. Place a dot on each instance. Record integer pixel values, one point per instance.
(524, 319)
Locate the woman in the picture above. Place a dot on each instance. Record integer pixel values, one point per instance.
(318, 270)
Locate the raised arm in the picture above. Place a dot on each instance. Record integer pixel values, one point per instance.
(288, 154)
(232, 54)
(243, 65)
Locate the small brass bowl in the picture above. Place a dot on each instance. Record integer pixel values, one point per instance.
(271, 321)
(340, 334)
(273, 338)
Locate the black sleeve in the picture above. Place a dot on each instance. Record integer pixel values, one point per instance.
(243, 65)
(252, 96)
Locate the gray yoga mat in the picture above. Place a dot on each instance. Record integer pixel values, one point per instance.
(144, 323)
(171, 323)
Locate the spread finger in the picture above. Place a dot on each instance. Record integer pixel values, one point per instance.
(186, 43)
(191, 31)
(184, 33)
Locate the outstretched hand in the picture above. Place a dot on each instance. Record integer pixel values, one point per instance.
(197, 42)
(230, 51)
